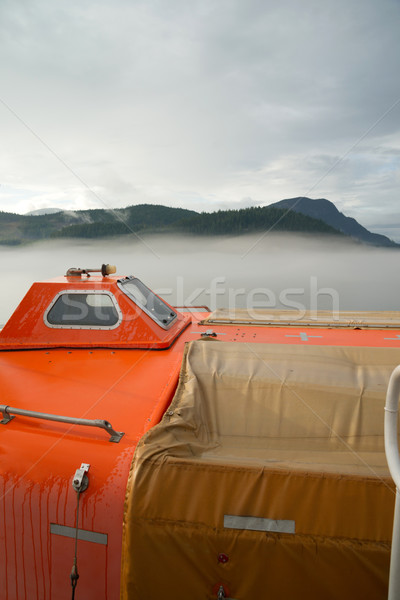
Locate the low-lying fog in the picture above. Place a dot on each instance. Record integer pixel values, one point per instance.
(280, 270)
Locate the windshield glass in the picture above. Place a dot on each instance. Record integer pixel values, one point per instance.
(151, 304)
(79, 310)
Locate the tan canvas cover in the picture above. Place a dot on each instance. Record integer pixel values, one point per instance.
(320, 318)
(267, 475)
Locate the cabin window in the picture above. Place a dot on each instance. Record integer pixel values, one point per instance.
(147, 300)
(83, 310)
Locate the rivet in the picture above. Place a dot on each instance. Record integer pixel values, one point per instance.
(223, 558)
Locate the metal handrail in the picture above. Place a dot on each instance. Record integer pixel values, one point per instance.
(393, 459)
(8, 412)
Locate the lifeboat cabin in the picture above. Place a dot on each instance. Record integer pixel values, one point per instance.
(150, 452)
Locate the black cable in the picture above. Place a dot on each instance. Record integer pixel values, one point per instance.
(74, 571)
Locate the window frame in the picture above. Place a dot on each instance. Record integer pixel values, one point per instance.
(81, 292)
(152, 316)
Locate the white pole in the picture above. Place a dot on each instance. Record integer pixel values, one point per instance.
(394, 576)
(393, 459)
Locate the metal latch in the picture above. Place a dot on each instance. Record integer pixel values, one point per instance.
(210, 333)
(80, 481)
(221, 593)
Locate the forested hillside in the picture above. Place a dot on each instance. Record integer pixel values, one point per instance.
(97, 223)
(16, 229)
(247, 220)
(150, 218)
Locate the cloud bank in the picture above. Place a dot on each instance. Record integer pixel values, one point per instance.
(200, 104)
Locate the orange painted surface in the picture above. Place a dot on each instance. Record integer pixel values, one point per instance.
(39, 459)
(26, 327)
(316, 336)
(127, 376)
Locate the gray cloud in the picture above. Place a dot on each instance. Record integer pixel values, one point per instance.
(200, 104)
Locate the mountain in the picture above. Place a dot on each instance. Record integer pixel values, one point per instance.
(100, 223)
(305, 216)
(327, 212)
(96, 223)
(43, 211)
(253, 219)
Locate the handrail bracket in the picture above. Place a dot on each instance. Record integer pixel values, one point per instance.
(6, 416)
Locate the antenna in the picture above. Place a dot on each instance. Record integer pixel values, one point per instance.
(77, 271)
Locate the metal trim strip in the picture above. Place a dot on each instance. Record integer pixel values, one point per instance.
(259, 524)
(83, 534)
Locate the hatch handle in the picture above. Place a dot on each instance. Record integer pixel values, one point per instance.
(8, 413)
(393, 459)
(221, 594)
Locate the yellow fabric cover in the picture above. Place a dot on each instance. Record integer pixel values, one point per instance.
(292, 434)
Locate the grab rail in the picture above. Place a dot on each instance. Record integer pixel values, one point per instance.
(393, 459)
(8, 412)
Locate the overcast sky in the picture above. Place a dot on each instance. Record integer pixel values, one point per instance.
(203, 104)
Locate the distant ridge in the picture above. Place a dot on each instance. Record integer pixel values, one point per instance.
(150, 218)
(253, 219)
(301, 215)
(43, 211)
(327, 212)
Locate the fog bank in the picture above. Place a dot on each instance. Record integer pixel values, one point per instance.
(279, 270)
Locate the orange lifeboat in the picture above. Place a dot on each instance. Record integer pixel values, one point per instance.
(150, 452)
(80, 362)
